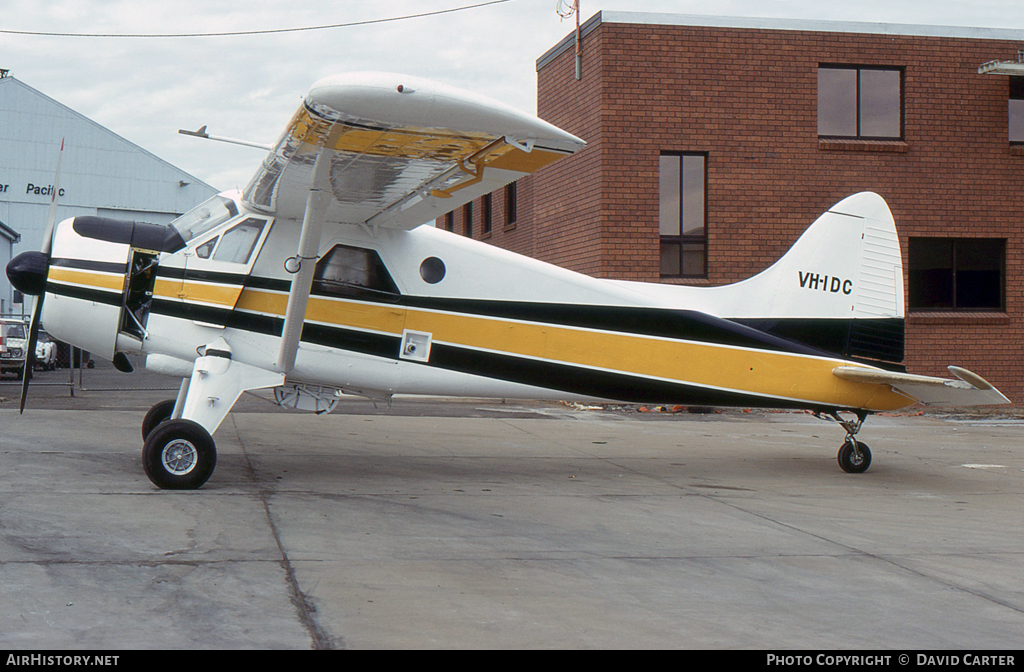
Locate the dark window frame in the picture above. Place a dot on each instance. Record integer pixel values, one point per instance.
(511, 205)
(376, 285)
(467, 219)
(449, 221)
(921, 289)
(1015, 86)
(859, 69)
(486, 212)
(683, 240)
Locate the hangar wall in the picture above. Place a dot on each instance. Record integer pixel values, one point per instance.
(101, 173)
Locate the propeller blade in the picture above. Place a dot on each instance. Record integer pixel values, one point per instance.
(51, 216)
(37, 306)
(30, 350)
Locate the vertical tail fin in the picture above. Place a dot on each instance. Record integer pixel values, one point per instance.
(839, 288)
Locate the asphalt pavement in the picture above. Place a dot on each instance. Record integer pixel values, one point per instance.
(441, 524)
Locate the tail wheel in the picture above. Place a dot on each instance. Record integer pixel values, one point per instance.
(158, 414)
(854, 457)
(179, 455)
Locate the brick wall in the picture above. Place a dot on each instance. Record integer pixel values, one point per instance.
(749, 99)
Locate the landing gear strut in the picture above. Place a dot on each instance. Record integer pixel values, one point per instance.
(854, 456)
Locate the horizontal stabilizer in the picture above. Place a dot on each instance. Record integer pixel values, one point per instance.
(969, 390)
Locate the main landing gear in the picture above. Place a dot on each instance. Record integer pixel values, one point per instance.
(178, 454)
(854, 456)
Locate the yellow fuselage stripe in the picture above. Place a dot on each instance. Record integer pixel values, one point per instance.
(759, 372)
(109, 282)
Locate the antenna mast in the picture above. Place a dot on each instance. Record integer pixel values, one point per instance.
(566, 9)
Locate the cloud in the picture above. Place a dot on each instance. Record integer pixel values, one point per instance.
(249, 86)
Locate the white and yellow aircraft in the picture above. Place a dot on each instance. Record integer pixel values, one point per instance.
(318, 279)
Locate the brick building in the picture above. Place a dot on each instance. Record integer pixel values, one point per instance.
(713, 142)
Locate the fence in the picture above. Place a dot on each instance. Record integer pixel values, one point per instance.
(78, 371)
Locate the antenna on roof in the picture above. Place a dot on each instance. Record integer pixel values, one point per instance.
(565, 9)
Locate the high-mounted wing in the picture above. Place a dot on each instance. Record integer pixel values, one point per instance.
(402, 150)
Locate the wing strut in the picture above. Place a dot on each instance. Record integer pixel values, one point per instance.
(317, 200)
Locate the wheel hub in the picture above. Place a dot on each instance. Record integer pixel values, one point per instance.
(179, 457)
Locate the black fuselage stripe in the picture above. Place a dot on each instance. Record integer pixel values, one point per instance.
(823, 337)
(219, 277)
(86, 265)
(566, 378)
(234, 319)
(84, 293)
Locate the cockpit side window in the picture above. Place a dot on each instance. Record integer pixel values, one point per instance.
(206, 249)
(354, 272)
(238, 242)
(204, 217)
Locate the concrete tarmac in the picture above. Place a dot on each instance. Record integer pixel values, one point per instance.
(483, 525)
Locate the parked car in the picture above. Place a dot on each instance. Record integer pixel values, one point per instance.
(46, 352)
(13, 340)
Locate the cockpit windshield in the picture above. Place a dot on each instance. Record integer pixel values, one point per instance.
(204, 217)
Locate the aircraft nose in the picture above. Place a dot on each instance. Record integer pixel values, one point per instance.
(27, 272)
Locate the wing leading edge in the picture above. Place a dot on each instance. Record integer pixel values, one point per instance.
(402, 150)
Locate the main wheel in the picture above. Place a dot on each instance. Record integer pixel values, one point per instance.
(179, 455)
(854, 457)
(159, 413)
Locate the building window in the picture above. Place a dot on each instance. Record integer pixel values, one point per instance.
(467, 219)
(1016, 112)
(449, 221)
(860, 102)
(485, 215)
(511, 205)
(957, 273)
(682, 215)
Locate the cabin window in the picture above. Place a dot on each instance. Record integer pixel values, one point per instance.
(238, 242)
(1016, 111)
(860, 102)
(682, 215)
(206, 249)
(353, 272)
(957, 274)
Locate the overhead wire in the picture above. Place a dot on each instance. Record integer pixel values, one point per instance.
(269, 31)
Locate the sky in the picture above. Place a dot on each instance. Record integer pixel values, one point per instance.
(247, 87)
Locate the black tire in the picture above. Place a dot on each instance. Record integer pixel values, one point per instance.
(850, 461)
(179, 455)
(159, 413)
